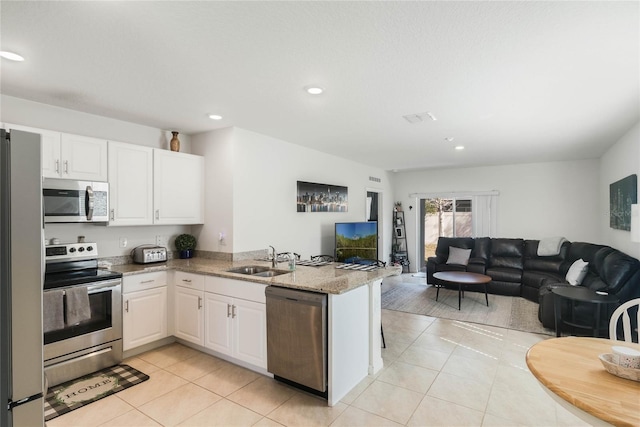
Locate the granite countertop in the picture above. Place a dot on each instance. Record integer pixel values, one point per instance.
(325, 279)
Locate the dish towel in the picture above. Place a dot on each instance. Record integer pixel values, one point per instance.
(52, 312)
(550, 246)
(78, 308)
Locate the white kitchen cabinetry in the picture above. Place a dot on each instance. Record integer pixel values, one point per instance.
(130, 184)
(189, 307)
(144, 309)
(50, 149)
(235, 319)
(178, 188)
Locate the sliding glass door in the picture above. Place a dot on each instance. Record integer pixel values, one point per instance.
(444, 217)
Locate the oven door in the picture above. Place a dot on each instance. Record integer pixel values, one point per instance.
(104, 325)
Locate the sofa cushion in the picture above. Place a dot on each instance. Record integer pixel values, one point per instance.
(617, 268)
(585, 251)
(550, 264)
(503, 274)
(458, 256)
(577, 272)
(506, 253)
(482, 248)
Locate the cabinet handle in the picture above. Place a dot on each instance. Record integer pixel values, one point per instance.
(199, 303)
(186, 280)
(57, 165)
(113, 214)
(148, 281)
(66, 166)
(157, 213)
(228, 310)
(126, 306)
(233, 311)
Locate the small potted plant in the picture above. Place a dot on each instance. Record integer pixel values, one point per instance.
(185, 244)
(398, 206)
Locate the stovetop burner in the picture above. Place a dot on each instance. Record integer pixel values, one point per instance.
(74, 264)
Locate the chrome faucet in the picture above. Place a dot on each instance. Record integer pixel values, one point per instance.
(274, 258)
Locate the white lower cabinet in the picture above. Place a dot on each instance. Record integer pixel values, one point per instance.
(224, 315)
(218, 322)
(189, 320)
(144, 309)
(249, 336)
(237, 328)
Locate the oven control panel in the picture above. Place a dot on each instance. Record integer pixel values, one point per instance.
(71, 251)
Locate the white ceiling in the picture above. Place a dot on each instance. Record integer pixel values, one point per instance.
(513, 82)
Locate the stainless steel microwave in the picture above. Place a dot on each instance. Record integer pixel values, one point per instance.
(66, 200)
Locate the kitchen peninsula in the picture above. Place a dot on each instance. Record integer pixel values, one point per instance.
(222, 313)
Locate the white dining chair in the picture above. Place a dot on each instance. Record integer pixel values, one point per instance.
(622, 312)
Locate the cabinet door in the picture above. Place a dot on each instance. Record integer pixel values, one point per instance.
(178, 188)
(144, 317)
(130, 184)
(83, 158)
(189, 315)
(218, 323)
(250, 332)
(50, 148)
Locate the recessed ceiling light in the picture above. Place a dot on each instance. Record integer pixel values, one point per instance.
(314, 90)
(11, 56)
(459, 147)
(215, 117)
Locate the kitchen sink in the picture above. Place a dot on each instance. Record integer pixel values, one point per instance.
(249, 269)
(271, 273)
(257, 270)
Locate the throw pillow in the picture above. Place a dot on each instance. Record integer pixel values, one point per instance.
(576, 272)
(458, 256)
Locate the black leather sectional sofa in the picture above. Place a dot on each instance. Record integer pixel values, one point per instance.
(517, 270)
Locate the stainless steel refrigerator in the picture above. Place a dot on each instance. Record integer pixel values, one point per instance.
(21, 278)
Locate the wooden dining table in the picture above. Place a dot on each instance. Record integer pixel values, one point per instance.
(570, 368)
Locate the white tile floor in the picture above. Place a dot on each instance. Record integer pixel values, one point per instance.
(436, 373)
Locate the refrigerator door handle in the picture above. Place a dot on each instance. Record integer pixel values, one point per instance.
(13, 404)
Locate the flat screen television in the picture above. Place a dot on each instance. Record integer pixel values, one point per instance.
(356, 241)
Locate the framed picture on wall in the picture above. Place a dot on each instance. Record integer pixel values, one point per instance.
(313, 197)
(622, 194)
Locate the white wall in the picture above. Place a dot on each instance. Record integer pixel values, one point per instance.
(217, 149)
(22, 112)
(620, 161)
(536, 200)
(265, 172)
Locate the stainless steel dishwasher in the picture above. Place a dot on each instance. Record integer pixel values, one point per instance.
(297, 338)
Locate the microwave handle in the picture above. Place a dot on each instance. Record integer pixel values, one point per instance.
(89, 207)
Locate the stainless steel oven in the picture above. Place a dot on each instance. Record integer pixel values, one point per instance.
(74, 348)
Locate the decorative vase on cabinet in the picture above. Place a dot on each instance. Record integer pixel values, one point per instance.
(175, 142)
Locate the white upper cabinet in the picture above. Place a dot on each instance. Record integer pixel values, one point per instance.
(130, 184)
(51, 166)
(82, 157)
(178, 188)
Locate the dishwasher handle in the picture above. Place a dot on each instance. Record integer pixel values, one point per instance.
(295, 296)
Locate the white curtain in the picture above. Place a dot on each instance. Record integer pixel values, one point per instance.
(484, 215)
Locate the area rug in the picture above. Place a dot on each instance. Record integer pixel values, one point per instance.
(74, 394)
(409, 296)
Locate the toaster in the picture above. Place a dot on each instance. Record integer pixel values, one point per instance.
(148, 254)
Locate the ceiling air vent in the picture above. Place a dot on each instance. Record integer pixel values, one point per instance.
(419, 117)
(374, 179)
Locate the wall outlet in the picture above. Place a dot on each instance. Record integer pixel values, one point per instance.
(161, 240)
(123, 242)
